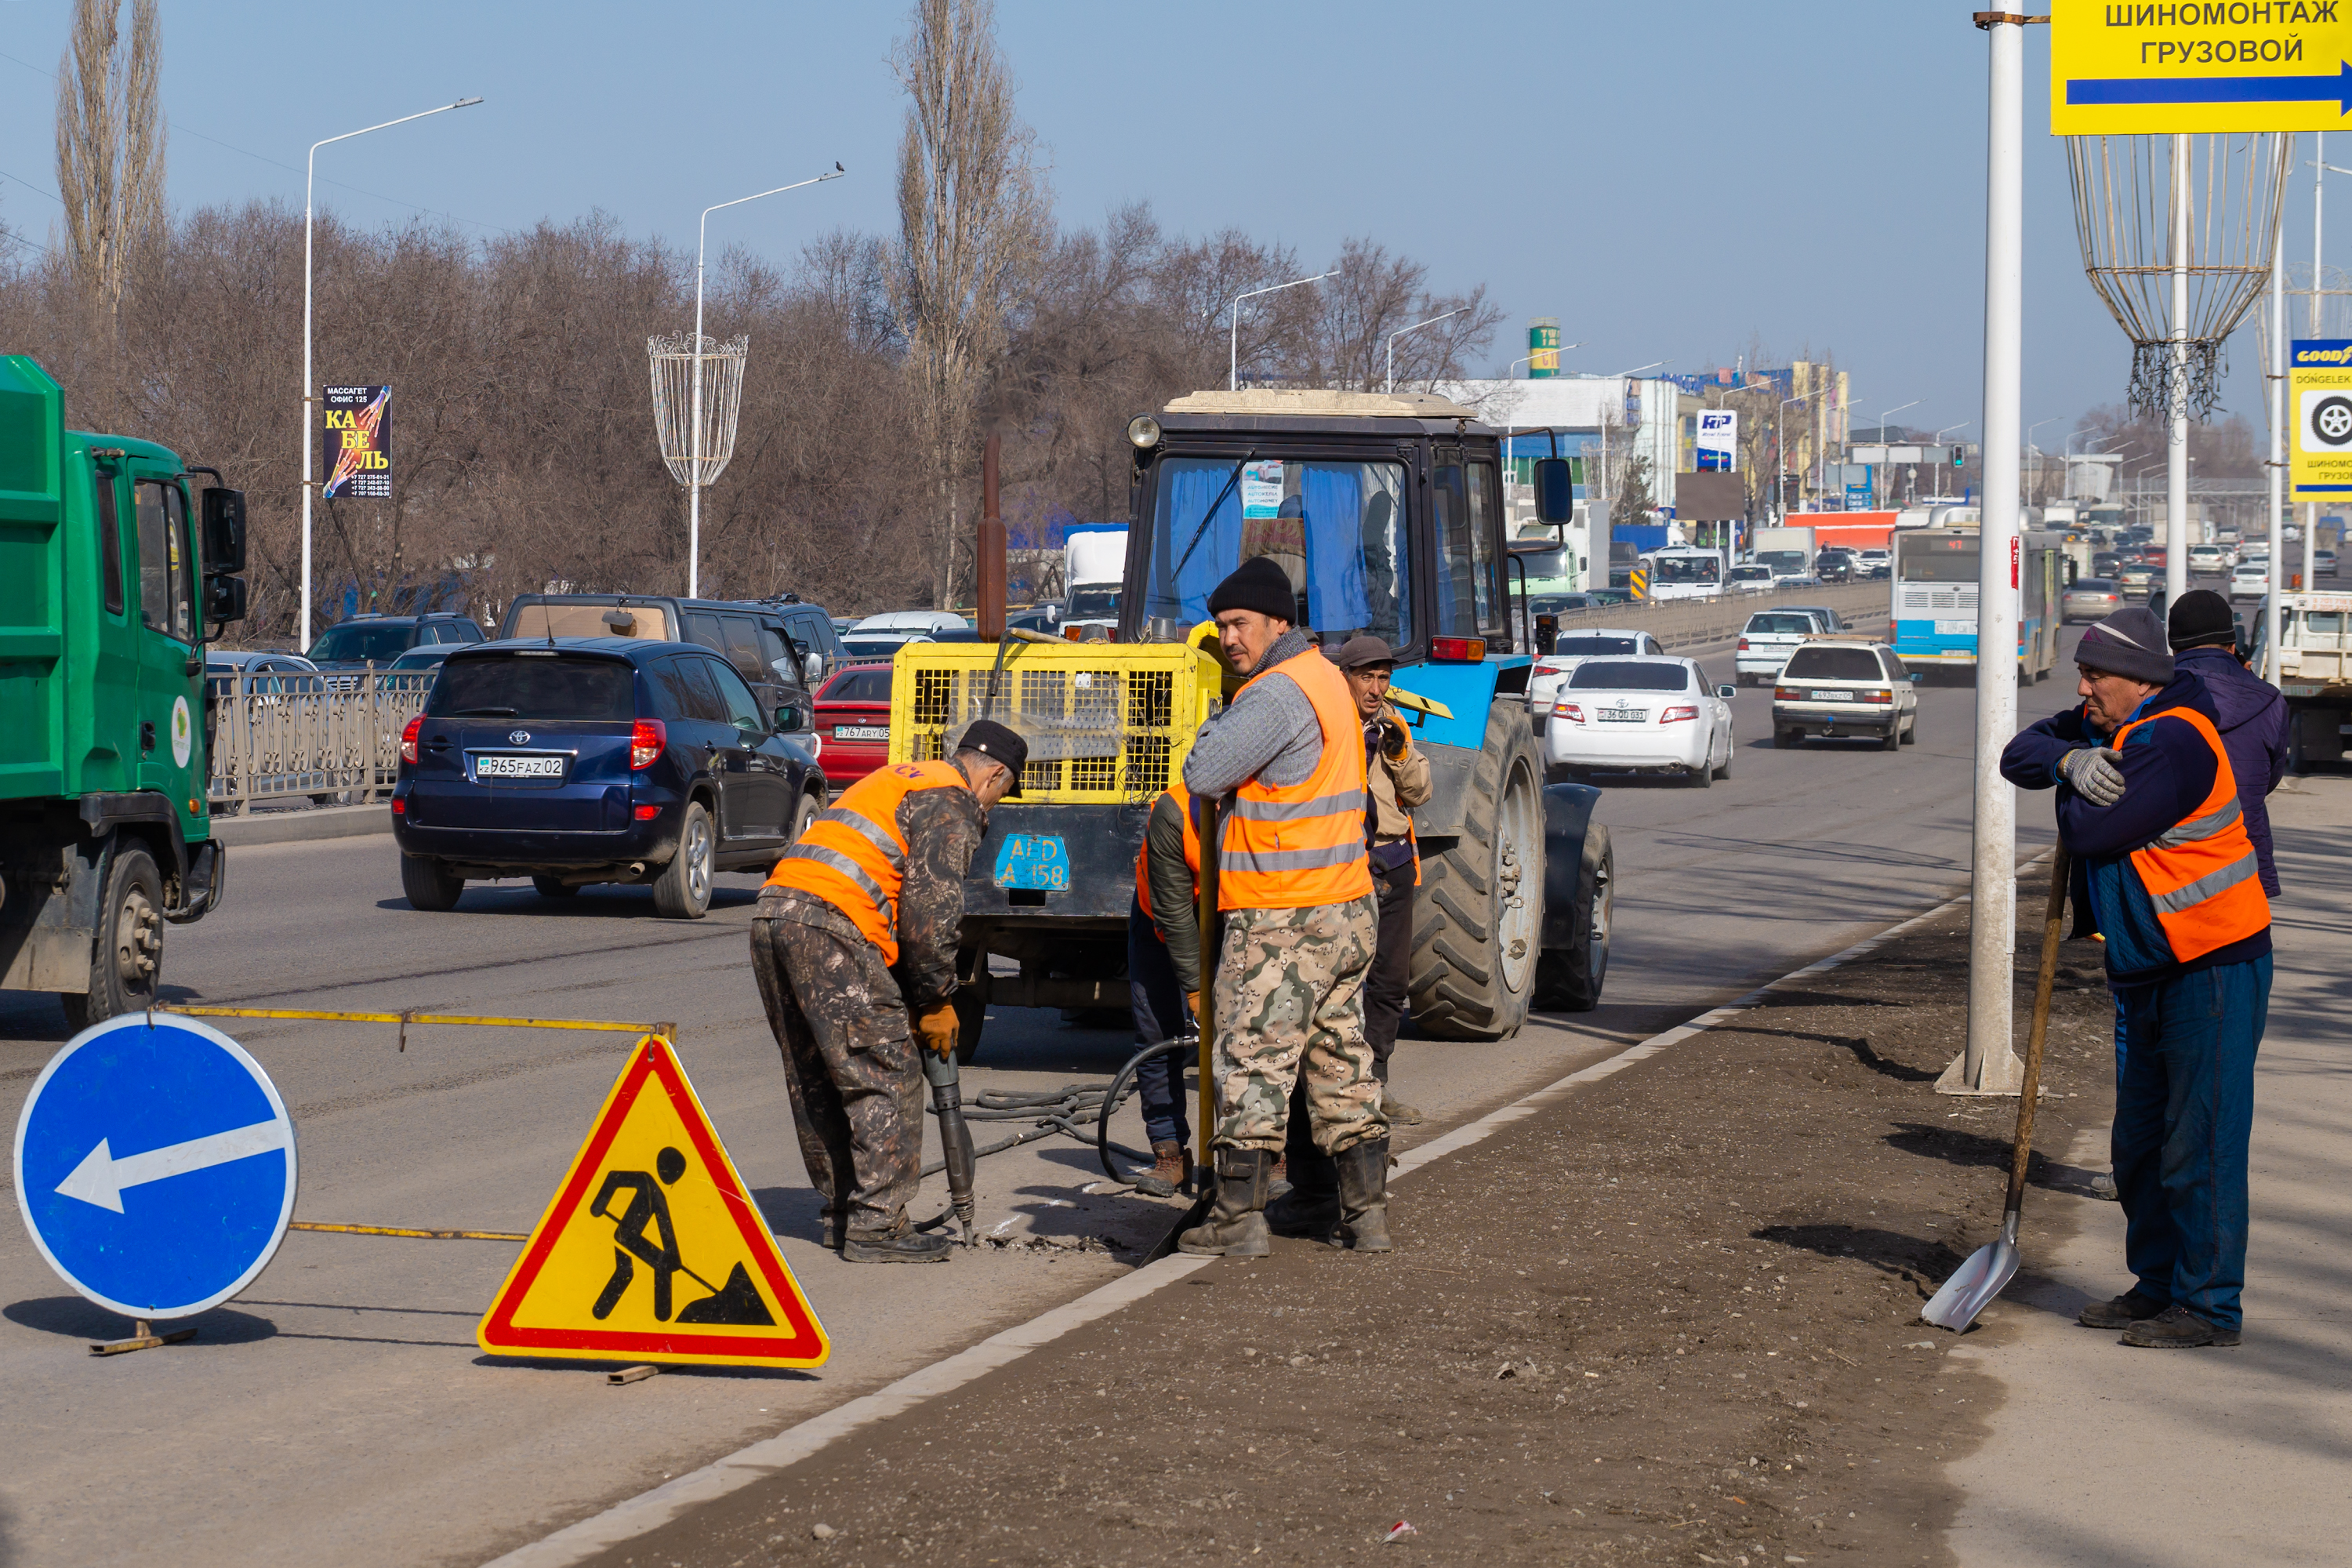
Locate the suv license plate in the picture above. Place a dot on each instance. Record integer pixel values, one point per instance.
(518, 767)
(1623, 715)
(861, 732)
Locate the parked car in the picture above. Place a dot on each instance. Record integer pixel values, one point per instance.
(1749, 580)
(1572, 649)
(1876, 563)
(1845, 689)
(754, 639)
(2089, 599)
(574, 760)
(1641, 715)
(1767, 641)
(351, 646)
(2251, 580)
(853, 716)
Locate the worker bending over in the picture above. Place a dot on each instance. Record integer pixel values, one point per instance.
(856, 932)
(1295, 894)
(2148, 807)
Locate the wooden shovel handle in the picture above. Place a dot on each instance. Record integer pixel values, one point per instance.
(2054, 922)
(1208, 829)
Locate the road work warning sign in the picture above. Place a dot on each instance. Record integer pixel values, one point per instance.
(651, 1250)
(2140, 68)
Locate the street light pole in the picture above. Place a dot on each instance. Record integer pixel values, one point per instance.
(1780, 448)
(2278, 456)
(1882, 441)
(310, 179)
(694, 453)
(1233, 338)
(1389, 384)
(1525, 359)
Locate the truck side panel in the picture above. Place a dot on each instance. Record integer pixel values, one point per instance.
(32, 573)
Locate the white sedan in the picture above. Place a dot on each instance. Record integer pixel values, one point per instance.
(1572, 648)
(1641, 715)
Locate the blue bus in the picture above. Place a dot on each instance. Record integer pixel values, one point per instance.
(1935, 599)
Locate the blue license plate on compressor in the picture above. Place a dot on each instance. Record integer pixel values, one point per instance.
(1034, 862)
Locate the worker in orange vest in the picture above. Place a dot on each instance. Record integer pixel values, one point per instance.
(854, 940)
(1294, 890)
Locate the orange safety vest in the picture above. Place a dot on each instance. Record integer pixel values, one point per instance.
(1183, 798)
(853, 856)
(1295, 847)
(2201, 873)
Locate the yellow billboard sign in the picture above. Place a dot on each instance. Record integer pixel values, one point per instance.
(2143, 67)
(2319, 400)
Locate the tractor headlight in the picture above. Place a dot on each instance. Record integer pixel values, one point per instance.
(1144, 431)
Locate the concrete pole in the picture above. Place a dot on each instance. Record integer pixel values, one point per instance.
(2269, 671)
(2176, 446)
(1988, 1065)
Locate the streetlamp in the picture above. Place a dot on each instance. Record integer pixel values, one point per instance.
(1389, 384)
(1780, 445)
(1233, 337)
(1882, 441)
(309, 178)
(693, 491)
(2040, 484)
(1525, 359)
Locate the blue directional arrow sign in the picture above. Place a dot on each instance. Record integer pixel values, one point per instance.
(2113, 92)
(155, 1166)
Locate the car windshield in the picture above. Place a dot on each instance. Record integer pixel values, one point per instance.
(1749, 573)
(871, 685)
(533, 687)
(1336, 530)
(1783, 560)
(1093, 604)
(1554, 604)
(875, 647)
(1630, 677)
(1779, 624)
(1833, 664)
(1589, 646)
(356, 642)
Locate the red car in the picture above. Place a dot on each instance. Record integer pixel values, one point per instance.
(852, 714)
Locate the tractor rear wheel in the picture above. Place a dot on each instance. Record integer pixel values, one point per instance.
(1479, 912)
(1570, 980)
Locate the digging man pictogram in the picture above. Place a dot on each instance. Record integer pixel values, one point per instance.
(735, 1303)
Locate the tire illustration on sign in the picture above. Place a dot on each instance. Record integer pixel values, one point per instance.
(2331, 420)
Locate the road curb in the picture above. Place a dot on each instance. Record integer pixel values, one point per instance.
(302, 827)
(650, 1511)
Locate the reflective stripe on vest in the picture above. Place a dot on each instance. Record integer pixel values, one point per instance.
(853, 857)
(1184, 799)
(1293, 847)
(2201, 873)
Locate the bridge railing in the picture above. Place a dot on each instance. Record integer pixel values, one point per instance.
(333, 737)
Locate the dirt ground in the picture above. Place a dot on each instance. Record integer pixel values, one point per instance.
(1671, 1319)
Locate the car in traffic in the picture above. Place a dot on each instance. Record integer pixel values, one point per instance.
(2208, 561)
(2249, 580)
(1833, 564)
(2323, 564)
(345, 650)
(418, 659)
(1749, 580)
(2104, 564)
(2089, 599)
(1876, 563)
(1845, 687)
(1767, 641)
(1830, 621)
(853, 719)
(1573, 649)
(811, 631)
(754, 639)
(1620, 714)
(2135, 576)
(578, 761)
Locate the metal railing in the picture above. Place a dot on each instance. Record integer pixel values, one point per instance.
(334, 738)
(1700, 623)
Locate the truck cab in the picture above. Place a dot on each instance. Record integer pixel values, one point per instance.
(112, 565)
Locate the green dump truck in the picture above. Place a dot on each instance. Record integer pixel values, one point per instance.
(108, 577)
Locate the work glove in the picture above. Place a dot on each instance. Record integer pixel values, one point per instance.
(1193, 1002)
(2095, 774)
(935, 1027)
(1393, 739)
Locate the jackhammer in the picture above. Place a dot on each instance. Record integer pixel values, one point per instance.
(955, 1137)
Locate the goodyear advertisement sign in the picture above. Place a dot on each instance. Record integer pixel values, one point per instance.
(2143, 67)
(2319, 397)
(356, 437)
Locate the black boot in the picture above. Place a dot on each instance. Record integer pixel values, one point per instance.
(1310, 1206)
(1364, 1195)
(1237, 1224)
(2125, 1310)
(904, 1245)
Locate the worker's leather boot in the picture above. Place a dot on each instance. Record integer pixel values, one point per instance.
(1168, 1169)
(1311, 1208)
(1364, 1195)
(903, 1246)
(1236, 1225)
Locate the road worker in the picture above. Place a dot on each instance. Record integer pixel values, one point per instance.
(2164, 870)
(1163, 972)
(855, 940)
(1294, 894)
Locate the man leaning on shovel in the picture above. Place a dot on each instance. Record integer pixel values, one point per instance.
(2164, 870)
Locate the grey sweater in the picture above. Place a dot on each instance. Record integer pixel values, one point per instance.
(1269, 732)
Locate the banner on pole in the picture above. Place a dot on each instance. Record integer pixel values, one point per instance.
(2161, 68)
(356, 436)
(2319, 393)
(1718, 440)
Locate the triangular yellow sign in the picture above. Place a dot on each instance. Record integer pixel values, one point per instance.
(652, 1248)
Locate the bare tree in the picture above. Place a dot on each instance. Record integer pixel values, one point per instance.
(971, 213)
(109, 143)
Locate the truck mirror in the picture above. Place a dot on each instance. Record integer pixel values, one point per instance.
(223, 521)
(1555, 492)
(224, 599)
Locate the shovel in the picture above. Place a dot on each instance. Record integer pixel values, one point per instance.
(1990, 1268)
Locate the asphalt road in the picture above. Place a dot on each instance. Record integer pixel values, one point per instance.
(341, 1411)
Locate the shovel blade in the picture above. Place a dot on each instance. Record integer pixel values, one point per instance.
(1974, 1284)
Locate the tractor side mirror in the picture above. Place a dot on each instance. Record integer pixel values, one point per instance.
(224, 599)
(224, 522)
(1555, 491)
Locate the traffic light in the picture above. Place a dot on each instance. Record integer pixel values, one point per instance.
(1959, 455)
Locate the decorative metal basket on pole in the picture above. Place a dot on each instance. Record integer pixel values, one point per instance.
(697, 396)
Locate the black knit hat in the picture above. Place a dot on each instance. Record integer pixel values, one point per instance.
(1257, 584)
(2129, 643)
(2201, 618)
(998, 744)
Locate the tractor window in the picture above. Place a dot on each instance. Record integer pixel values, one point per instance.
(1466, 562)
(166, 587)
(1336, 527)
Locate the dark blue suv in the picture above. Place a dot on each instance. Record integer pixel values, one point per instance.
(580, 760)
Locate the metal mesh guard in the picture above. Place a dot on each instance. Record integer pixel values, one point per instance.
(1100, 727)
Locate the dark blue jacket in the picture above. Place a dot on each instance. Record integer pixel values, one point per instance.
(2252, 719)
(2168, 772)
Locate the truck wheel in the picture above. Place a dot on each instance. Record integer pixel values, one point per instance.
(126, 961)
(430, 886)
(682, 892)
(1477, 915)
(1571, 980)
(971, 1006)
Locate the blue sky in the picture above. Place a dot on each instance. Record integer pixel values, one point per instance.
(1666, 179)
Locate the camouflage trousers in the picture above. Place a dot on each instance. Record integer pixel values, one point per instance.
(850, 1064)
(1289, 1001)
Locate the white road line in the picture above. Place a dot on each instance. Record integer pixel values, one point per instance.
(650, 1511)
